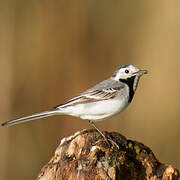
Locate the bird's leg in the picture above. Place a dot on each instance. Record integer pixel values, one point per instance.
(92, 124)
(107, 140)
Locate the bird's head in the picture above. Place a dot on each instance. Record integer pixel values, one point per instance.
(125, 72)
(129, 74)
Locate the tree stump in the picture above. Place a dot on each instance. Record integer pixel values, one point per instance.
(86, 156)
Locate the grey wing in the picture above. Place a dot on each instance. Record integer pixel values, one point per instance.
(104, 90)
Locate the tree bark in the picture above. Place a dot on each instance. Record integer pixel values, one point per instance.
(86, 156)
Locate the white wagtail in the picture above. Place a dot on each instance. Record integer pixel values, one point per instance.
(102, 101)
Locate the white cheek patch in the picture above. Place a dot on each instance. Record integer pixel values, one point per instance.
(122, 75)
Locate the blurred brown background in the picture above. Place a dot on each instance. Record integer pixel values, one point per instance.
(52, 50)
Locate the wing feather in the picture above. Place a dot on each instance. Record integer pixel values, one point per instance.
(94, 95)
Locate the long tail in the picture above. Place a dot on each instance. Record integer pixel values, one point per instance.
(31, 117)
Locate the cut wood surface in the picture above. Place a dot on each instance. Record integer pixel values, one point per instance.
(86, 156)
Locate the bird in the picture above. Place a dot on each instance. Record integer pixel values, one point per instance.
(102, 101)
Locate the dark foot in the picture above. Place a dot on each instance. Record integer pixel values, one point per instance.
(109, 142)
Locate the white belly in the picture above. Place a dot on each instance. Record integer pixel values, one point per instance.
(97, 110)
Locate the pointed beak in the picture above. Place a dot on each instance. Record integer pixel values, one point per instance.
(141, 72)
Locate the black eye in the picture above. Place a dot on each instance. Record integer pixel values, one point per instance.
(126, 71)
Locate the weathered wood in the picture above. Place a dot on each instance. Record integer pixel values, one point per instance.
(86, 156)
